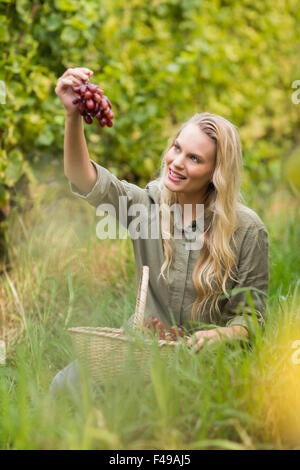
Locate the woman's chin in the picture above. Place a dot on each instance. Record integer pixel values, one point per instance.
(169, 185)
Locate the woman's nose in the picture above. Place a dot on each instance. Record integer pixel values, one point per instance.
(179, 160)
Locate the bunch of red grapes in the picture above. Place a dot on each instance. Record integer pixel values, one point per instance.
(159, 329)
(92, 102)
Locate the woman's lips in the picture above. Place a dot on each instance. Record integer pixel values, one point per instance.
(176, 180)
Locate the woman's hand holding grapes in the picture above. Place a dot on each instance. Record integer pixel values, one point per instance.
(65, 84)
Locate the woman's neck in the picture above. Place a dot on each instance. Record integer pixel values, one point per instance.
(193, 200)
(186, 201)
(189, 209)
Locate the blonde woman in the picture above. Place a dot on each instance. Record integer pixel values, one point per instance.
(220, 277)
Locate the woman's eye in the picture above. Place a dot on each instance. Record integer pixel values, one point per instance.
(176, 146)
(196, 159)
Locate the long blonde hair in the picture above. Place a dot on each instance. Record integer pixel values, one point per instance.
(216, 261)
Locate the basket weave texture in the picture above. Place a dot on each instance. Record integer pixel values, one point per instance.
(105, 351)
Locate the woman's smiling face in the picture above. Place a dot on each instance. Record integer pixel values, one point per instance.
(192, 158)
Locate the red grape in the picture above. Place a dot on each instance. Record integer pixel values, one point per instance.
(93, 88)
(96, 97)
(175, 332)
(81, 107)
(159, 329)
(103, 104)
(162, 334)
(88, 118)
(91, 102)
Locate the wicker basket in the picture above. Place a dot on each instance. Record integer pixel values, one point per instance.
(106, 351)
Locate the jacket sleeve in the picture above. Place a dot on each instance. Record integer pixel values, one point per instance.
(110, 191)
(250, 293)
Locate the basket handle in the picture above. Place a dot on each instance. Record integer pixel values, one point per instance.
(141, 299)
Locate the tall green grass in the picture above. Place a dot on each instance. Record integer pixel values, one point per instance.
(63, 276)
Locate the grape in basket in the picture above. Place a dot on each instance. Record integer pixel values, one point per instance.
(159, 329)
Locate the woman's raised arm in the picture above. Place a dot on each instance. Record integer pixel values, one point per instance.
(77, 166)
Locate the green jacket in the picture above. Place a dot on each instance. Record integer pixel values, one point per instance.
(172, 303)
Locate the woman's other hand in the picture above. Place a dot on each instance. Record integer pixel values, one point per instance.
(198, 339)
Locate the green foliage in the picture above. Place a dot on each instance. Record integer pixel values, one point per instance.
(159, 63)
(292, 170)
